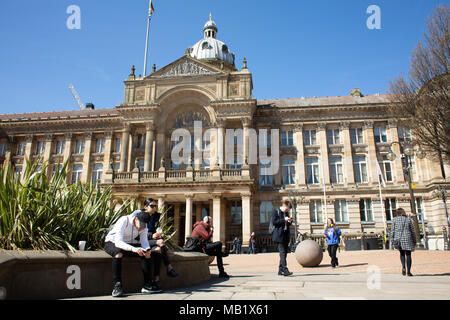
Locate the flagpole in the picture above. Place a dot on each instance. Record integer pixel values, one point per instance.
(382, 208)
(146, 45)
(324, 191)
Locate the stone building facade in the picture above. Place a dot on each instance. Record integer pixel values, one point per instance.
(329, 148)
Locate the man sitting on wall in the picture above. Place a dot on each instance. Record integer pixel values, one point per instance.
(204, 230)
(128, 237)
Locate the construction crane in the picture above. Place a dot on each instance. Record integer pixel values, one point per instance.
(76, 97)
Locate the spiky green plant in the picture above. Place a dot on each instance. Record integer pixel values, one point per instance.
(48, 214)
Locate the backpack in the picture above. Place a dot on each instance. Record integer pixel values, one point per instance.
(271, 226)
(193, 244)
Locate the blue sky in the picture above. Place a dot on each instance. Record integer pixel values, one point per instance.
(294, 48)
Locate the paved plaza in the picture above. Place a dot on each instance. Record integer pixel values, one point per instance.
(362, 275)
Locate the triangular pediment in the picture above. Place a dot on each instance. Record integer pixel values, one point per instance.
(186, 67)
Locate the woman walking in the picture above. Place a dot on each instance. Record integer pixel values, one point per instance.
(404, 239)
(333, 235)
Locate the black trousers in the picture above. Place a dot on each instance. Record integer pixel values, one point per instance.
(332, 251)
(155, 259)
(406, 254)
(164, 251)
(215, 249)
(283, 248)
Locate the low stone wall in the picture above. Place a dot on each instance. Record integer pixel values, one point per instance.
(58, 275)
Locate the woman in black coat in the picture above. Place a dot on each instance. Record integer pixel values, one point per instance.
(403, 238)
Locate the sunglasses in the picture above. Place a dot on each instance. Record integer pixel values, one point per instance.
(153, 206)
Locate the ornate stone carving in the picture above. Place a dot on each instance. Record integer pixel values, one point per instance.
(345, 125)
(298, 127)
(186, 68)
(140, 95)
(368, 124)
(321, 126)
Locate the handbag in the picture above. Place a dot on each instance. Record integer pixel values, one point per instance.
(193, 244)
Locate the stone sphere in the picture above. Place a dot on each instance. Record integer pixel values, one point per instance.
(309, 253)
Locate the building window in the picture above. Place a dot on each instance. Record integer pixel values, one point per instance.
(56, 168)
(404, 134)
(365, 210)
(140, 141)
(288, 165)
(100, 145)
(79, 146)
(419, 208)
(265, 174)
(336, 174)
(315, 211)
(360, 169)
(380, 134)
(3, 147)
(333, 136)
(390, 205)
(97, 173)
(287, 138)
(356, 135)
(265, 211)
(117, 145)
(76, 173)
(340, 211)
(386, 167)
(60, 146)
(141, 165)
(312, 170)
(236, 212)
(21, 148)
(40, 148)
(309, 137)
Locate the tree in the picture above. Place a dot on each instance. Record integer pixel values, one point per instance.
(422, 101)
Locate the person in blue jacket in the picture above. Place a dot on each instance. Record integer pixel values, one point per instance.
(334, 236)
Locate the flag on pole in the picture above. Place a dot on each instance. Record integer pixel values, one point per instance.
(380, 175)
(151, 9)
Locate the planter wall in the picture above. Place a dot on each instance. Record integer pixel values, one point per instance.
(53, 274)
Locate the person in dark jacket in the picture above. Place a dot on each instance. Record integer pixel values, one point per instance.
(155, 236)
(252, 244)
(281, 234)
(403, 231)
(204, 230)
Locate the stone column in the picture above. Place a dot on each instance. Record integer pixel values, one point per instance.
(87, 157)
(247, 219)
(218, 219)
(300, 160)
(188, 224)
(324, 164)
(9, 149)
(130, 162)
(149, 137)
(347, 161)
(397, 169)
(245, 140)
(107, 152)
(371, 158)
(176, 222)
(124, 148)
(27, 155)
(220, 143)
(47, 153)
(161, 148)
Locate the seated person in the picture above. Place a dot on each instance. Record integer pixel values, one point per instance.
(156, 242)
(128, 237)
(204, 230)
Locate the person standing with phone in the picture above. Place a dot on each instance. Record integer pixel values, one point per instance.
(281, 234)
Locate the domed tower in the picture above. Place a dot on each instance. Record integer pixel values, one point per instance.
(212, 50)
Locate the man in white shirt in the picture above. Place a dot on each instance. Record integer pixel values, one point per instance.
(129, 237)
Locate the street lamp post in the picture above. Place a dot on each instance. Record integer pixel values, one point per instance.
(408, 152)
(442, 190)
